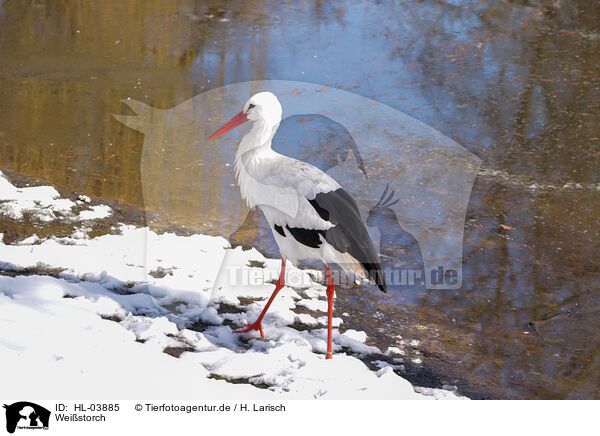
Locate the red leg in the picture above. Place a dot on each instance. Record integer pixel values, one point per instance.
(330, 292)
(257, 325)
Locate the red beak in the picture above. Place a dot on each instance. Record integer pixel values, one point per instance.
(238, 120)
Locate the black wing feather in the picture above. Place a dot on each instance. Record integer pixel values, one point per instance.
(349, 235)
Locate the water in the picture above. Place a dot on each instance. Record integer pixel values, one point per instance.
(514, 82)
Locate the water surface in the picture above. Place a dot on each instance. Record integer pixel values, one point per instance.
(515, 82)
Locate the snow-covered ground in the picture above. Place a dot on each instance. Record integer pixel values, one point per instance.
(136, 314)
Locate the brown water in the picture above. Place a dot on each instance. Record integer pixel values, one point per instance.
(515, 82)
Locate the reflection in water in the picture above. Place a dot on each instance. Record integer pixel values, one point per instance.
(515, 82)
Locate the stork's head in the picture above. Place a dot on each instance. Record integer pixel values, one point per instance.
(261, 108)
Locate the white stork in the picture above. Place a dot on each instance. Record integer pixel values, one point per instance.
(311, 216)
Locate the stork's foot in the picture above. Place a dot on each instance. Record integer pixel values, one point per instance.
(328, 356)
(256, 325)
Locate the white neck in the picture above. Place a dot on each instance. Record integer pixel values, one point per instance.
(251, 161)
(259, 137)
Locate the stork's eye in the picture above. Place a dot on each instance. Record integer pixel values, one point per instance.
(251, 105)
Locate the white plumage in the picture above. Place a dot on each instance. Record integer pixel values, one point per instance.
(310, 215)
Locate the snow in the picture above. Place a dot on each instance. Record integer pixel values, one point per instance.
(95, 212)
(394, 350)
(140, 314)
(43, 202)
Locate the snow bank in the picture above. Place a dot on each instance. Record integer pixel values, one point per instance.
(121, 320)
(43, 202)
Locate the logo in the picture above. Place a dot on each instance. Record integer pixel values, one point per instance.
(26, 415)
(412, 184)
